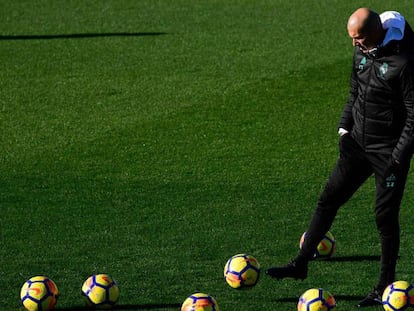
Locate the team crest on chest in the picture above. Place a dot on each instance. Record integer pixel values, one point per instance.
(383, 71)
(362, 63)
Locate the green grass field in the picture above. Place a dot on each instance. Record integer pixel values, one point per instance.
(152, 140)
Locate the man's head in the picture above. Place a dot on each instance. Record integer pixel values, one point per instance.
(365, 29)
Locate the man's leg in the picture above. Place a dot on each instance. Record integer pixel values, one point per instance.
(390, 183)
(389, 193)
(350, 172)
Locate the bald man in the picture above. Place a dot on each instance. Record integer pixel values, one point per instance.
(376, 131)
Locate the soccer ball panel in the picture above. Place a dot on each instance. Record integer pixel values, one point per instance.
(97, 295)
(250, 277)
(36, 291)
(113, 293)
(233, 279)
(326, 246)
(103, 280)
(87, 285)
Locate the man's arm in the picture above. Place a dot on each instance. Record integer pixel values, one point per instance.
(404, 148)
(346, 122)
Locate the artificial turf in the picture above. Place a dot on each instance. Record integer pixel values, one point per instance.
(152, 140)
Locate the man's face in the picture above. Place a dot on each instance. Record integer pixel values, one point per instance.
(361, 40)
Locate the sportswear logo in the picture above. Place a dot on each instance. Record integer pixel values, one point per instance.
(107, 280)
(34, 289)
(383, 70)
(390, 181)
(362, 63)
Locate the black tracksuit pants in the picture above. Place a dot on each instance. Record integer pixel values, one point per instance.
(353, 168)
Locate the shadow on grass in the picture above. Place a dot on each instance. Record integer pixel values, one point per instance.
(354, 258)
(129, 307)
(80, 35)
(337, 298)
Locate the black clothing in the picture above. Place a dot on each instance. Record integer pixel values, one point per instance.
(380, 110)
(379, 117)
(353, 168)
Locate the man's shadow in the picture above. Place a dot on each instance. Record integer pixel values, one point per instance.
(354, 258)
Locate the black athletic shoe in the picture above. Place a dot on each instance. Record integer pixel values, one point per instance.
(374, 298)
(293, 270)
